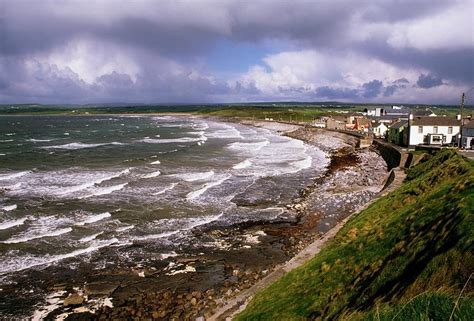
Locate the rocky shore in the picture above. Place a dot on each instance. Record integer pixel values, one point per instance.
(191, 284)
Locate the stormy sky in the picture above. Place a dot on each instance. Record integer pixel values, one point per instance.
(91, 51)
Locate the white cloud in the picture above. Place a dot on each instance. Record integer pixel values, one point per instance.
(309, 69)
(450, 29)
(91, 59)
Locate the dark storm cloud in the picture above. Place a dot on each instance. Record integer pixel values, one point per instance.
(428, 81)
(184, 32)
(456, 64)
(368, 90)
(372, 89)
(337, 93)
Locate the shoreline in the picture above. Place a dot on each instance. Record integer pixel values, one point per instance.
(264, 247)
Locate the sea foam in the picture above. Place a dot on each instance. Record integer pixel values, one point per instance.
(191, 177)
(29, 237)
(195, 194)
(94, 218)
(10, 176)
(9, 208)
(9, 224)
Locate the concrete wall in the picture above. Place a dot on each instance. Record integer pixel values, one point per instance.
(392, 156)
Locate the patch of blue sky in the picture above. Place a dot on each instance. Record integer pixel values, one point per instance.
(230, 57)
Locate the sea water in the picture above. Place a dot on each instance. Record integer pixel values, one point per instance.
(71, 185)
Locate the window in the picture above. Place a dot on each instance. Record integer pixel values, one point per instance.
(436, 139)
(420, 129)
(435, 129)
(450, 130)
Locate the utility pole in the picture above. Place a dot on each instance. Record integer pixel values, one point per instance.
(460, 127)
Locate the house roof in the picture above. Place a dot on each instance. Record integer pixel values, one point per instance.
(362, 121)
(469, 124)
(396, 111)
(377, 123)
(388, 117)
(422, 112)
(399, 124)
(435, 121)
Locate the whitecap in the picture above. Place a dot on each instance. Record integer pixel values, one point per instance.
(105, 190)
(174, 140)
(39, 140)
(155, 162)
(246, 163)
(227, 132)
(6, 140)
(151, 175)
(156, 236)
(90, 237)
(94, 218)
(246, 147)
(164, 190)
(9, 208)
(183, 224)
(74, 146)
(125, 228)
(191, 177)
(9, 224)
(80, 187)
(9, 176)
(195, 194)
(29, 237)
(21, 263)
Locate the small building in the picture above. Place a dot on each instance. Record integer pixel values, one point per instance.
(336, 122)
(362, 124)
(467, 135)
(319, 122)
(426, 130)
(379, 129)
(398, 133)
(400, 112)
(389, 119)
(373, 111)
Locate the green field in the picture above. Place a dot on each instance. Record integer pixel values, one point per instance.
(408, 256)
(301, 112)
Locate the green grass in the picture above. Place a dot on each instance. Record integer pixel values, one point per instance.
(300, 114)
(409, 253)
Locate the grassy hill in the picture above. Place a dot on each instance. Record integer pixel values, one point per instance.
(408, 256)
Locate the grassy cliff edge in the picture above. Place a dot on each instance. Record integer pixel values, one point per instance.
(408, 256)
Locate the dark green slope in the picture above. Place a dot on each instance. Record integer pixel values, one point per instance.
(408, 256)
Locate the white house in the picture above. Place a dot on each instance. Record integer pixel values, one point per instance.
(426, 130)
(379, 128)
(467, 140)
(373, 111)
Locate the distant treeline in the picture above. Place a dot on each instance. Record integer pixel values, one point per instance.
(204, 108)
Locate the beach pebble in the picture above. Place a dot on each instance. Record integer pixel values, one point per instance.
(73, 299)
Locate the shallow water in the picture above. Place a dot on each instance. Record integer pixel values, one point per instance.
(73, 185)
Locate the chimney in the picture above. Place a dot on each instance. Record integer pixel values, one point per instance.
(458, 117)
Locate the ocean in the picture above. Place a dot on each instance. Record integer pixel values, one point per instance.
(136, 186)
